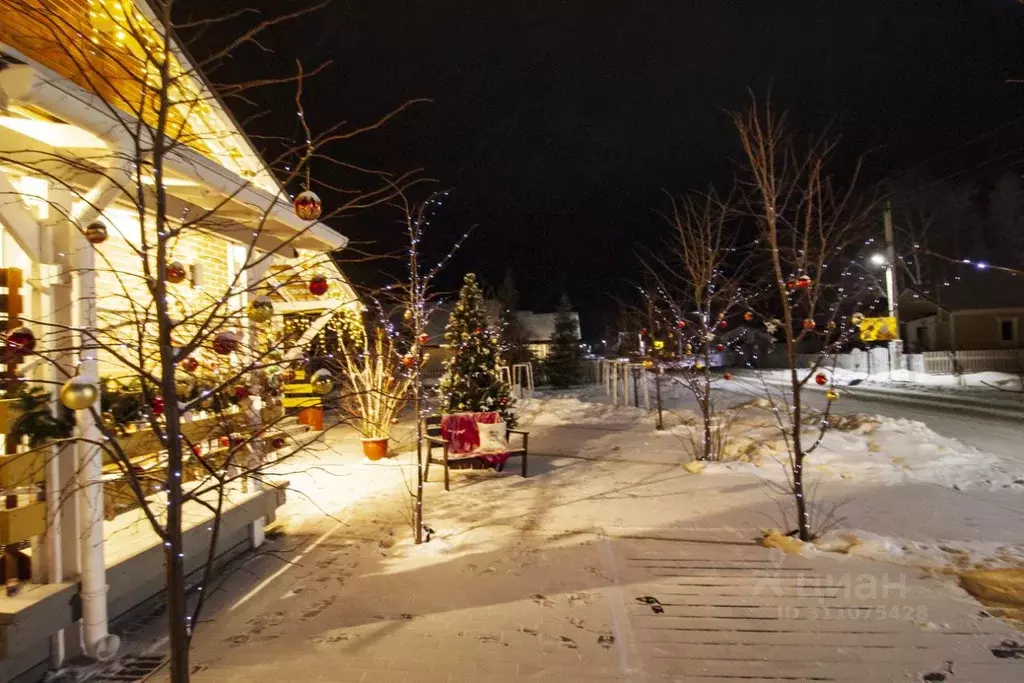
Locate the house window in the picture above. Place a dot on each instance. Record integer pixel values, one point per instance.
(1008, 330)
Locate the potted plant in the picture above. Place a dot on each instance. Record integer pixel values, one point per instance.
(378, 381)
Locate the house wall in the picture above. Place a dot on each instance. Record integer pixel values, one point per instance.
(980, 331)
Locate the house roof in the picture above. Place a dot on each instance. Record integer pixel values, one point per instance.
(972, 289)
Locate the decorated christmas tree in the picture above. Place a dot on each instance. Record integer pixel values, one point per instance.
(471, 382)
(564, 366)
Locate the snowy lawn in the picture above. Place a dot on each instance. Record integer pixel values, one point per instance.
(901, 492)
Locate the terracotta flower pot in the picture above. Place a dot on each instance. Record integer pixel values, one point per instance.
(375, 449)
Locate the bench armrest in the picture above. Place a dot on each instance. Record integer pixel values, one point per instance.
(436, 439)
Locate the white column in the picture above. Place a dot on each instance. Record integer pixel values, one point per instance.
(99, 643)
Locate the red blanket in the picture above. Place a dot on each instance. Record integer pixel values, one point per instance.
(459, 429)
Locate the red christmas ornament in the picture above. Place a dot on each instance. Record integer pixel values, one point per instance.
(681, 324)
(190, 364)
(748, 316)
(803, 282)
(225, 343)
(720, 348)
(96, 233)
(723, 324)
(318, 285)
(175, 272)
(308, 206)
(477, 331)
(241, 392)
(821, 378)
(809, 324)
(20, 342)
(727, 375)
(277, 442)
(643, 331)
(423, 338)
(504, 400)
(408, 360)
(197, 449)
(157, 405)
(224, 441)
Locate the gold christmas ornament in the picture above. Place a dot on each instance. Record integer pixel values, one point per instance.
(261, 309)
(857, 318)
(832, 395)
(321, 382)
(78, 393)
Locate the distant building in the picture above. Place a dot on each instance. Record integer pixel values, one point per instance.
(975, 310)
(539, 328)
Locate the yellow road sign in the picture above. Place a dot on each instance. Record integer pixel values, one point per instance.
(878, 329)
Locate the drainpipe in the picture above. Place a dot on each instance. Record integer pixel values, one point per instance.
(97, 641)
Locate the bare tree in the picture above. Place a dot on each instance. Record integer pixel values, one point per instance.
(214, 348)
(807, 220)
(698, 295)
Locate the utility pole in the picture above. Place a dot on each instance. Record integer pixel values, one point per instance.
(896, 345)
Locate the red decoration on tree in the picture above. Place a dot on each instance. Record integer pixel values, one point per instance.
(477, 330)
(96, 233)
(680, 324)
(643, 331)
(176, 272)
(748, 316)
(190, 364)
(224, 441)
(723, 324)
(803, 282)
(318, 285)
(821, 378)
(727, 375)
(277, 442)
(809, 324)
(308, 206)
(197, 449)
(504, 400)
(157, 405)
(241, 392)
(423, 338)
(720, 348)
(20, 342)
(225, 343)
(408, 360)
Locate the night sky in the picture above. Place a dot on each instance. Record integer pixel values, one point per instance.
(557, 125)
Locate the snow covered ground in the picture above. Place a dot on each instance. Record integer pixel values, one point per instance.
(973, 382)
(905, 493)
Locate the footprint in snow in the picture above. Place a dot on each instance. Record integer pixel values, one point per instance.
(542, 600)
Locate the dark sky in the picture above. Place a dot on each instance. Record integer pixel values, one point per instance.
(557, 124)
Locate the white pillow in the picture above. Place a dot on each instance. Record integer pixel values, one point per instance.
(493, 437)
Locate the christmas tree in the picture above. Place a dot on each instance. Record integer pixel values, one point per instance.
(471, 382)
(564, 366)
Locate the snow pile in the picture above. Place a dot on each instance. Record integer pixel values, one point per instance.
(947, 556)
(976, 382)
(871, 449)
(952, 556)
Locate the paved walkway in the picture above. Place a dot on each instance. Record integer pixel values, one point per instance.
(586, 571)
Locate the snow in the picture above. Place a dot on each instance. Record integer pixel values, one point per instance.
(973, 382)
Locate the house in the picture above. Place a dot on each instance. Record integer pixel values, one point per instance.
(970, 311)
(66, 163)
(539, 328)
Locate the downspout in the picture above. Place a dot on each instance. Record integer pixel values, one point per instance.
(116, 172)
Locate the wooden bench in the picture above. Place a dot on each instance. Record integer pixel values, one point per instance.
(435, 440)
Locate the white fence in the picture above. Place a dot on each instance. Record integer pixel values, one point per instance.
(946, 362)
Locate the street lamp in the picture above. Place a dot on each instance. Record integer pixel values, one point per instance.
(878, 259)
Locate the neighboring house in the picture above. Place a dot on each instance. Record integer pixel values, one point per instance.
(539, 328)
(49, 112)
(976, 310)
